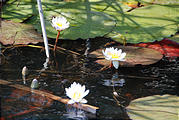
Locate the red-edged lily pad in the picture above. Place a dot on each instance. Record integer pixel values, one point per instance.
(135, 56)
(18, 33)
(166, 46)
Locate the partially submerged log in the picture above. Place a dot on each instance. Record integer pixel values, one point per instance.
(134, 56)
(84, 107)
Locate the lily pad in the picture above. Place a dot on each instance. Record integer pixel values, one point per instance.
(95, 18)
(145, 24)
(175, 38)
(160, 107)
(135, 56)
(18, 11)
(166, 46)
(165, 2)
(18, 33)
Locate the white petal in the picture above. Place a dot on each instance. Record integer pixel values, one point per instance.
(109, 58)
(111, 48)
(123, 55)
(83, 88)
(86, 92)
(119, 51)
(103, 52)
(116, 49)
(107, 50)
(115, 63)
(67, 90)
(83, 101)
(71, 102)
(73, 85)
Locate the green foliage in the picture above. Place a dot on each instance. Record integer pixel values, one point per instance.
(93, 18)
(19, 11)
(146, 24)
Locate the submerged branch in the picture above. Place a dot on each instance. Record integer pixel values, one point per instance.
(35, 46)
(63, 49)
(84, 107)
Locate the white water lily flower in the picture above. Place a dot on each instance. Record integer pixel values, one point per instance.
(114, 55)
(76, 93)
(60, 23)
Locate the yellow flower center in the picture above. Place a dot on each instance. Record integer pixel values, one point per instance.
(76, 95)
(114, 55)
(59, 24)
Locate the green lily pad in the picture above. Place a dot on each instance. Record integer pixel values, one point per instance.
(18, 11)
(18, 33)
(146, 24)
(134, 56)
(162, 2)
(95, 18)
(165, 2)
(160, 107)
(175, 37)
(84, 21)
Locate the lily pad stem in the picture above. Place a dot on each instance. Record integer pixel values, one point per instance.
(111, 65)
(55, 46)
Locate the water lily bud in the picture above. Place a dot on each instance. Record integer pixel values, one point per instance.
(115, 93)
(34, 84)
(25, 71)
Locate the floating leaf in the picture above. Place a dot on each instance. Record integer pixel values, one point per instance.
(167, 47)
(18, 33)
(160, 107)
(146, 23)
(18, 11)
(165, 2)
(175, 38)
(134, 56)
(94, 18)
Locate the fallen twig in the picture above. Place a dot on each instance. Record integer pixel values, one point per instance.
(84, 107)
(35, 46)
(70, 51)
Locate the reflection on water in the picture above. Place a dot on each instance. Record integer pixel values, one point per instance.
(115, 81)
(74, 113)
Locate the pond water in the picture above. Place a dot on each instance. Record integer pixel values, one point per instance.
(128, 82)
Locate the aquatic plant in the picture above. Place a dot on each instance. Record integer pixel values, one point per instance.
(76, 93)
(34, 84)
(59, 23)
(25, 71)
(114, 55)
